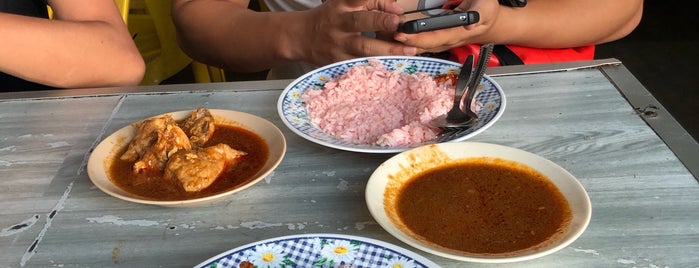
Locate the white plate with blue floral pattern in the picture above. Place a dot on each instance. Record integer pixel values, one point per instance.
(319, 250)
(293, 113)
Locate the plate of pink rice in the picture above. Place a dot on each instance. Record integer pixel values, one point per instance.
(382, 104)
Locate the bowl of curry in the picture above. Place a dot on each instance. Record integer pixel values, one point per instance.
(186, 158)
(478, 202)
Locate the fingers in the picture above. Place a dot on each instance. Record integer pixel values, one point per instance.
(363, 47)
(389, 6)
(376, 22)
(367, 47)
(369, 21)
(433, 41)
(340, 30)
(363, 15)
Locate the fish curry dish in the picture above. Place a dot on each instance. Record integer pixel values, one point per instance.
(195, 157)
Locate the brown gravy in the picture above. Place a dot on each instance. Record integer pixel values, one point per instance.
(483, 207)
(152, 186)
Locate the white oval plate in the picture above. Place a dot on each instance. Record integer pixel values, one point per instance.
(317, 250)
(434, 155)
(293, 112)
(100, 159)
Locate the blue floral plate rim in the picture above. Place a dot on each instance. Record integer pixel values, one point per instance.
(319, 250)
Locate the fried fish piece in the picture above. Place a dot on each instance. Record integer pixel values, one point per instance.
(199, 127)
(155, 141)
(198, 168)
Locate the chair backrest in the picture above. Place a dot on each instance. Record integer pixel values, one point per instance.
(122, 5)
(150, 22)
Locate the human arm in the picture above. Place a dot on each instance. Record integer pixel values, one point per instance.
(540, 24)
(87, 44)
(228, 35)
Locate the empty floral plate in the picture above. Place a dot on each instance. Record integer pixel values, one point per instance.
(293, 112)
(318, 250)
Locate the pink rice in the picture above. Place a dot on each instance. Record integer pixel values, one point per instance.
(371, 105)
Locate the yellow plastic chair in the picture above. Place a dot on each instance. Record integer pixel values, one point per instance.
(263, 6)
(150, 24)
(206, 74)
(122, 5)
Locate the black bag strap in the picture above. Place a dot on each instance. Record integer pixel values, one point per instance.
(502, 52)
(506, 56)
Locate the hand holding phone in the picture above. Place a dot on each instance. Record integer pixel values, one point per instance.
(435, 19)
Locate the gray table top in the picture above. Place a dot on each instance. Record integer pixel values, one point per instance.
(592, 118)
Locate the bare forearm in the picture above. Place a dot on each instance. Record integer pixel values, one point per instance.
(565, 23)
(68, 53)
(224, 34)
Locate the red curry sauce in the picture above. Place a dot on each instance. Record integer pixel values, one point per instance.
(485, 207)
(152, 186)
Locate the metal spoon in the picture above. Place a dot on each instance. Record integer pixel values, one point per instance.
(457, 117)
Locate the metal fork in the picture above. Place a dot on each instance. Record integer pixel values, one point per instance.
(457, 119)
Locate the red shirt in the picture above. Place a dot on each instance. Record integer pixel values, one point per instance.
(525, 55)
(514, 55)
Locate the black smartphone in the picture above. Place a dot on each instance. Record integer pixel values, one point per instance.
(435, 19)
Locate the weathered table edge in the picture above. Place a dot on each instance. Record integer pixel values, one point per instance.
(680, 142)
(112, 91)
(649, 109)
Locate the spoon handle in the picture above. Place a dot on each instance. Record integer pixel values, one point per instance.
(483, 57)
(465, 75)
